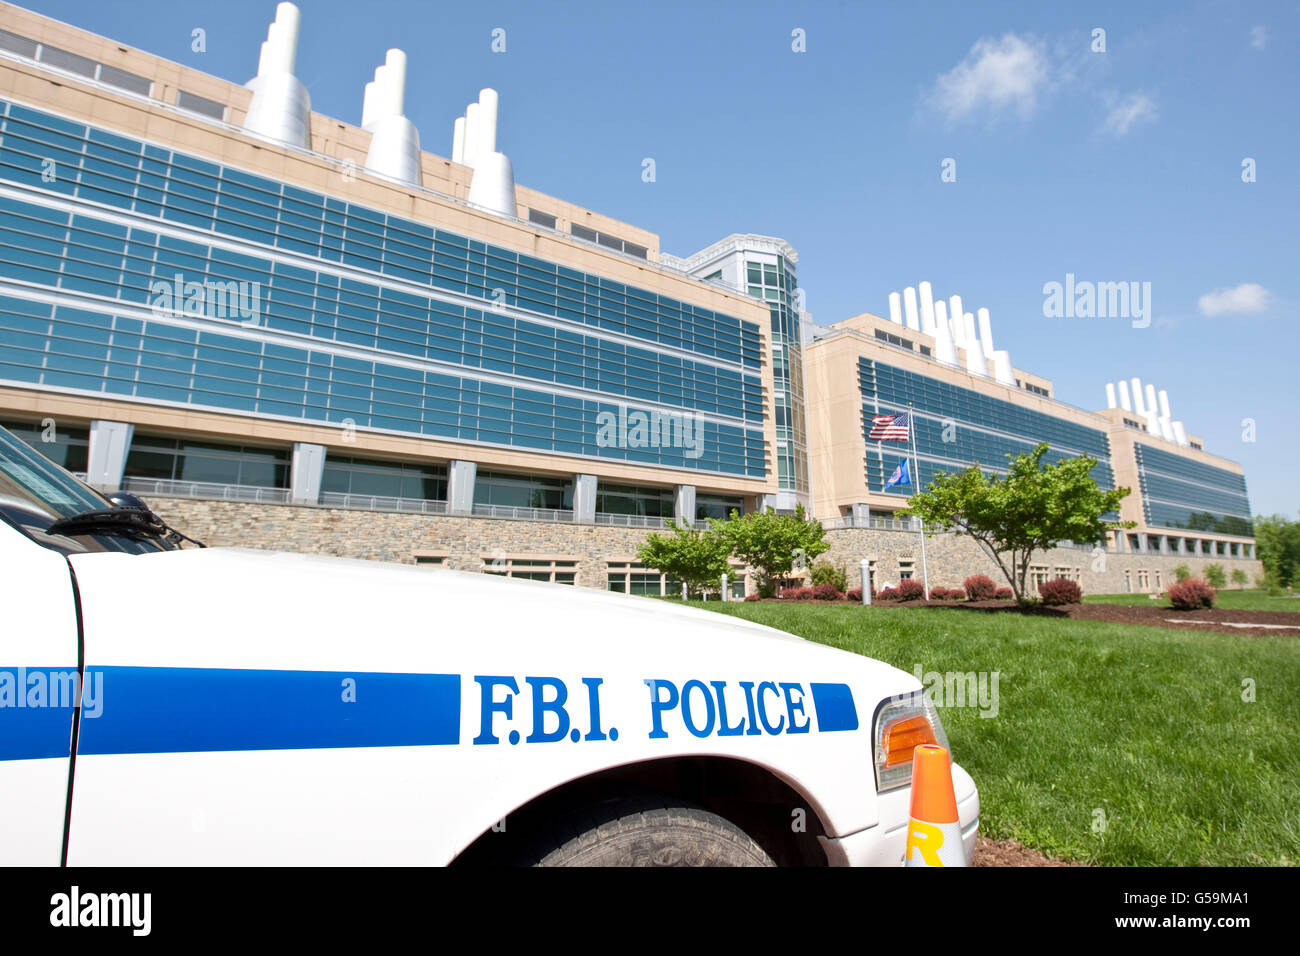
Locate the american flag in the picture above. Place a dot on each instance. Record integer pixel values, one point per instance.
(888, 427)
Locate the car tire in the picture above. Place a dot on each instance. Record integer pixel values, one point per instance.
(649, 832)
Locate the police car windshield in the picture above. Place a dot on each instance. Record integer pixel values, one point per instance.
(35, 492)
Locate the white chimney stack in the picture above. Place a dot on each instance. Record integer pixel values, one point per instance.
(927, 307)
(1180, 434)
(909, 309)
(955, 319)
(1110, 394)
(986, 332)
(1002, 370)
(1150, 408)
(1124, 401)
(493, 185)
(280, 108)
(458, 141)
(394, 141)
(944, 349)
(895, 308)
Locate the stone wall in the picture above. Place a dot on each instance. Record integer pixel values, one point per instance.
(387, 536)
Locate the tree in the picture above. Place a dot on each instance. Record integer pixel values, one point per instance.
(771, 543)
(1215, 575)
(1239, 577)
(1182, 573)
(698, 556)
(1278, 542)
(1032, 509)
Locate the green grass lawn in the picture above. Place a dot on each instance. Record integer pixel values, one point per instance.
(1145, 724)
(1248, 600)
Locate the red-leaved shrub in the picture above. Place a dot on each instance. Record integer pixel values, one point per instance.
(887, 594)
(938, 594)
(827, 592)
(1004, 594)
(1191, 594)
(854, 595)
(980, 587)
(1060, 591)
(956, 594)
(754, 597)
(797, 594)
(910, 589)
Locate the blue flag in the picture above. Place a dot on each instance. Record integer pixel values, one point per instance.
(902, 475)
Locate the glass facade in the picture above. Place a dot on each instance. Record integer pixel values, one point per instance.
(776, 285)
(1178, 492)
(344, 314)
(957, 427)
(178, 459)
(67, 447)
(522, 491)
(362, 476)
(629, 500)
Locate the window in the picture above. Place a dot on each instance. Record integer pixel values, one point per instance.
(717, 506)
(906, 569)
(430, 559)
(1038, 574)
(1157, 573)
(124, 80)
(1144, 579)
(388, 479)
(1128, 581)
(715, 274)
(16, 44)
(1132, 424)
(541, 218)
(561, 570)
(608, 241)
(201, 105)
(68, 447)
(1037, 390)
(183, 460)
(68, 61)
(633, 577)
(522, 491)
(631, 500)
(1070, 574)
(892, 339)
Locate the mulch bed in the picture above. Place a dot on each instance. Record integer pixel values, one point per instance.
(1158, 614)
(1010, 853)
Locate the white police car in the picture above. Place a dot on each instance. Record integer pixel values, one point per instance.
(241, 706)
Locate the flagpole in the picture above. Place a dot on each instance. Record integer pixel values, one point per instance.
(916, 485)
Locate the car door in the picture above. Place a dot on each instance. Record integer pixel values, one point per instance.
(38, 687)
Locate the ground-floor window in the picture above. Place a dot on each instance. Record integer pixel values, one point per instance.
(1070, 574)
(431, 559)
(1144, 580)
(1038, 575)
(906, 569)
(633, 577)
(561, 570)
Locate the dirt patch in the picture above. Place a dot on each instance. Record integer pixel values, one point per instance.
(1010, 853)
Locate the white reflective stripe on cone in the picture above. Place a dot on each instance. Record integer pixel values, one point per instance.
(934, 844)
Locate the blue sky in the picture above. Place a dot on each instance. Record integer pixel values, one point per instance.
(1123, 165)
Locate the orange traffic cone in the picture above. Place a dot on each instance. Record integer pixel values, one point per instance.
(933, 832)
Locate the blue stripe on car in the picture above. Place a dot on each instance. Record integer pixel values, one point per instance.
(178, 709)
(835, 707)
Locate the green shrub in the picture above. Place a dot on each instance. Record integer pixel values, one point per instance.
(823, 572)
(1239, 577)
(1182, 572)
(1215, 575)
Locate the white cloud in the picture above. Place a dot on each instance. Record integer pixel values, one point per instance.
(996, 76)
(1128, 112)
(1247, 297)
(1258, 37)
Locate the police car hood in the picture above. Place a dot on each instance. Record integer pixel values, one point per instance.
(230, 607)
